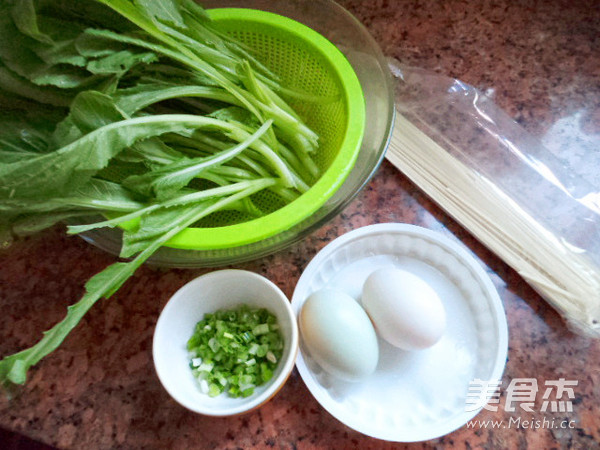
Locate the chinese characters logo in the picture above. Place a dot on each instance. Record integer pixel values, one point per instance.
(522, 392)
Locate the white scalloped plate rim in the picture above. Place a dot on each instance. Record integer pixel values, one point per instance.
(375, 407)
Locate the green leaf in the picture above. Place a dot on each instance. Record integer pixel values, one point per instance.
(63, 52)
(66, 132)
(107, 282)
(90, 45)
(165, 181)
(25, 18)
(91, 110)
(66, 169)
(59, 75)
(194, 10)
(19, 58)
(120, 63)
(158, 221)
(182, 56)
(236, 115)
(101, 59)
(166, 11)
(31, 224)
(150, 152)
(15, 207)
(25, 135)
(13, 368)
(81, 13)
(11, 82)
(141, 96)
(110, 223)
(96, 195)
(103, 195)
(52, 39)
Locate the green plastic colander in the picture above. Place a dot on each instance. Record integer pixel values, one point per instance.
(306, 60)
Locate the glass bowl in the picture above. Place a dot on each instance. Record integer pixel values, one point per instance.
(354, 41)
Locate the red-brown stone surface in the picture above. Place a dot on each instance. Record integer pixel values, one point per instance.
(541, 62)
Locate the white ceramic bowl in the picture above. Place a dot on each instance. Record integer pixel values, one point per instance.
(218, 290)
(418, 395)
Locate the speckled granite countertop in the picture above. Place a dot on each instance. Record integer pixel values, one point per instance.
(541, 62)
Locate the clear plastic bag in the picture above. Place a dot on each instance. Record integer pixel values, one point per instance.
(534, 210)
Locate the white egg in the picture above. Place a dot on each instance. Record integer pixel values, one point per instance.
(339, 335)
(405, 310)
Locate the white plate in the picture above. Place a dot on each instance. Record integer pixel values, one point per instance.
(412, 396)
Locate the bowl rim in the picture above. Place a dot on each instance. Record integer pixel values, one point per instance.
(272, 387)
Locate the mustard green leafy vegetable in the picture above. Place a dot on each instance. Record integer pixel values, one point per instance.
(113, 110)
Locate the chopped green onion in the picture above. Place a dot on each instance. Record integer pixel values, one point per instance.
(271, 357)
(214, 390)
(261, 329)
(235, 350)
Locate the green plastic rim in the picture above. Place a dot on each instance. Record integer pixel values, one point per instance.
(351, 94)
